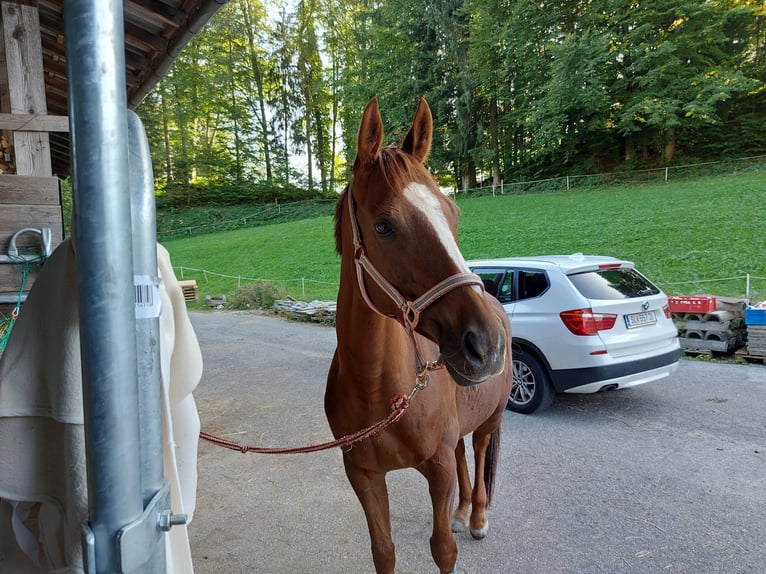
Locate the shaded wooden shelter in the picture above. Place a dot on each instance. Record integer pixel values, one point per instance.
(70, 71)
(34, 101)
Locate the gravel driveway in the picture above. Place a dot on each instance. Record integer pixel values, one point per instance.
(669, 477)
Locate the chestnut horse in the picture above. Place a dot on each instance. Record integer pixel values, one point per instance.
(406, 295)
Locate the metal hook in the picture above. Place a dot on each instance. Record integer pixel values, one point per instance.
(45, 240)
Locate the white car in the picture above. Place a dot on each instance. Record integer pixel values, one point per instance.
(580, 324)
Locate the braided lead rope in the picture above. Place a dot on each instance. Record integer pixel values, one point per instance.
(399, 404)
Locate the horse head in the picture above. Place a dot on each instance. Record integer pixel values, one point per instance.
(409, 266)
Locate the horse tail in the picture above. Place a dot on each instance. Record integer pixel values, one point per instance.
(491, 462)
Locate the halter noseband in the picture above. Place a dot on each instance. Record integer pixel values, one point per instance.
(410, 310)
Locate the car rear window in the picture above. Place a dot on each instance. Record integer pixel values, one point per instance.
(613, 284)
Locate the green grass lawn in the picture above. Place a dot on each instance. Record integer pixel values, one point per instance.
(694, 231)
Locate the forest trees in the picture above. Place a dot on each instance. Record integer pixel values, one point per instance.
(265, 102)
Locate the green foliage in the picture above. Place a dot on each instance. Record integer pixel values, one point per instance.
(66, 205)
(205, 192)
(519, 89)
(257, 295)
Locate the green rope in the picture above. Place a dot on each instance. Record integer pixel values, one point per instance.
(6, 323)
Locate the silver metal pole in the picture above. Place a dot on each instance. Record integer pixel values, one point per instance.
(147, 296)
(146, 279)
(98, 128)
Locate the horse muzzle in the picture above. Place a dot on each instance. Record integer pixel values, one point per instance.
(478, 355)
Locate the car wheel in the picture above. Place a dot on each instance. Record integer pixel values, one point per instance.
(531, 388)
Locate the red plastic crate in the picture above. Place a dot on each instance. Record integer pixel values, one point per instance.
(692, 303)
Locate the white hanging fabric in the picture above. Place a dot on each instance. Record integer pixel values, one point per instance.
(43, 486)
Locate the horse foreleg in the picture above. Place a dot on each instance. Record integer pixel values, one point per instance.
(479, 523)
(372, 492)
(441, 475)
(460, 515)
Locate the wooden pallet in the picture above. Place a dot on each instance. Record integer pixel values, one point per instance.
(750, 358)
(756, 339)
(190, 290)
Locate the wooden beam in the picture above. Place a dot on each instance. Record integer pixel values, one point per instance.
(26, 84)
(28, 190)
(34, 123)
(15, 217)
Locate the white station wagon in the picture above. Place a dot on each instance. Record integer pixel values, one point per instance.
(580, 324)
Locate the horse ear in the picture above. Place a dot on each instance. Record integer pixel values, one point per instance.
(418, 140)
(370, 136)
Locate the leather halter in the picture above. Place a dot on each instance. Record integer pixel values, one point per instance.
(410, 310)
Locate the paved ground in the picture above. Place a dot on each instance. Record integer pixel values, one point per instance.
(668, 477)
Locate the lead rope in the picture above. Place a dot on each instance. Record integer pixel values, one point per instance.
(6, 323)
(399, 404)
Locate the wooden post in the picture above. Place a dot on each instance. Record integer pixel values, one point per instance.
(22, 85)
(30, 198)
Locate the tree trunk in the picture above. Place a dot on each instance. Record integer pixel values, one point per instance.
(495, 144)
(630, 147)
(309, 157)
(321, 153)
(182, 132)
(257, 77)
(669, 149)
(469, 173)
(237, 142)
(334, 122)
(166, 137)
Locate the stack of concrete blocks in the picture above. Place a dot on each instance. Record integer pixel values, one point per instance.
(316, 311)
(719, 329)
(755, 321)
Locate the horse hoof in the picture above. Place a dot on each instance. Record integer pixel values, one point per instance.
(459, 525)
(479, 533)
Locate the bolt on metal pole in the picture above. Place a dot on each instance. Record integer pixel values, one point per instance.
(95, 43)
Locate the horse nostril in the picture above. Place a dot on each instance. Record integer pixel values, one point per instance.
(481, 347)
(472, 347)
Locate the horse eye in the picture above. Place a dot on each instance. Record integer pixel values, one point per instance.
(384, 227)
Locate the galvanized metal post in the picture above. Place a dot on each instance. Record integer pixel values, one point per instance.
(94, 32)
(148, 307)
(146, 282)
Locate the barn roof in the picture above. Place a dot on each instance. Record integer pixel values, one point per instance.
(155, 33)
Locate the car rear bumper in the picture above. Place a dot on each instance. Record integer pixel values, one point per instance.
(618, 375)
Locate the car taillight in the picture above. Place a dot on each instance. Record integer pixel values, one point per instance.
(666, 310)
(586, 322)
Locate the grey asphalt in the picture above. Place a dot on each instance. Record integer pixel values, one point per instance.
(669, 477)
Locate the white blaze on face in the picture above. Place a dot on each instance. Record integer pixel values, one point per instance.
(424, 200)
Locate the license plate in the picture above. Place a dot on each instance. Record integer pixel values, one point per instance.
(640, 319)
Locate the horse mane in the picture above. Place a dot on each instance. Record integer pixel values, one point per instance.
(338, 217)
(398, 168)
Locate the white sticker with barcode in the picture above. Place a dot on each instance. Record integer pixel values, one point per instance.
(147, 296)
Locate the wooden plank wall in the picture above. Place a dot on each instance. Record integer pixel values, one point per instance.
(25, 85)
(30, 197)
